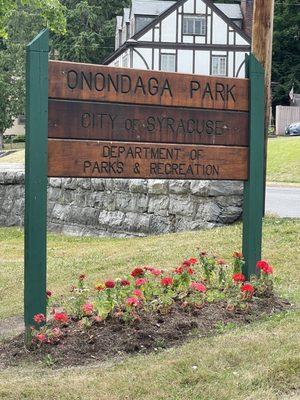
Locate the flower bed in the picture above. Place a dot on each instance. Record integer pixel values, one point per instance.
(149, 309)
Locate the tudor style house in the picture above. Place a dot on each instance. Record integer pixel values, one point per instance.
(191, 36)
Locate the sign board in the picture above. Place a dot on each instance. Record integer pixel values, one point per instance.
(107, 122)
(94, 104)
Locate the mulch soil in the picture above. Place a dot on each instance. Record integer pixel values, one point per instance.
(114, 338)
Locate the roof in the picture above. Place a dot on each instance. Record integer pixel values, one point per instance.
(150, 7)
(119, 22)
(232, 11)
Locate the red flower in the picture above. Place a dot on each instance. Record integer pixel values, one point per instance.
(178, 270)
(193, 260)
(41, 337)
(61, 317)
(167, 281)
(39, 318)
(268, 270)
(132, 301)
(248, 288)
(198, 286)
(140, 282)
(88, 308)
(110, 284)
(238, 278)
(125, 282)
(48, 293)
(137, 272)
(238, 254)
(82, 277)
(220, 261)
(184, 268)
(149, 268)
(265, 267)
(137, 293)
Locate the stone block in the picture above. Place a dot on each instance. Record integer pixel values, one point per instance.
(69, 183)
(55, 182)
(181, 205)
(179, 187)
(159, 205)
(158, 186)
(84, 183)
(230, 214)
(160, 224)
(137, 222)
(138, 185)
(98, 184)
(225, 188)
(208, 211)
(199, 188)
(111, 219)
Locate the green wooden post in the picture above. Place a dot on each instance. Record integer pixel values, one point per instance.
(254, 187)
(36, 179)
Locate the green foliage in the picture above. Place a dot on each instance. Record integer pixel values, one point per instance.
(90, 30)
(286, 50)
(20, 22)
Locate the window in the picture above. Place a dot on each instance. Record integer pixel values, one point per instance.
(141, 22)
(194, 26)
(219, 65)
(167, 62)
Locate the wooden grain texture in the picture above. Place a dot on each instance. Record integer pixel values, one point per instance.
(75, 158)
(156, 124)
(74, 81)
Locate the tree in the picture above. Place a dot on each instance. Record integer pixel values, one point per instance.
(90, 30)
(23, 20)
(286, 50)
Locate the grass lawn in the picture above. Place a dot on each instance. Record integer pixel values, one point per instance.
(284, 160)
(259, 361)
(16, 157)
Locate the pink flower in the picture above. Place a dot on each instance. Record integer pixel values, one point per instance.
(61, 317)
(132, 301)
(220, 261)
(137, 293)
(198, 286)
(156, 272)
(41, 337)
(140, 282)
(56, 332)
(88, 308)
(39, 318)
(167, 281)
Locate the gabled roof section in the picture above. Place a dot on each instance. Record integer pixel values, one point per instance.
(180, 3)
(232, 11)
(150, 7)
(167, 12)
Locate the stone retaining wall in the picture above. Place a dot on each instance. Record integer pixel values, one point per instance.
(106, 207)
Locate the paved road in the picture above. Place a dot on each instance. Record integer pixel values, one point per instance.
(283, 201)
(11, 167)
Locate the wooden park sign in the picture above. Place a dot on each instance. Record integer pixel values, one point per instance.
(97, 121)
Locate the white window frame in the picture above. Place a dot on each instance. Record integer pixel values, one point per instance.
(190, 24)
(219, 65)
(168, 62)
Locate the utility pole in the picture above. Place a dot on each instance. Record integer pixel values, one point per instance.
(262, 41)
